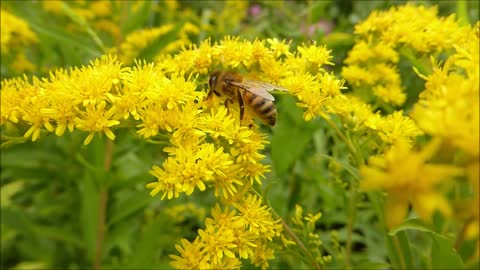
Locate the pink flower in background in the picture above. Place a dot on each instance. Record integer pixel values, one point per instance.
(255, 10)
(323, 26)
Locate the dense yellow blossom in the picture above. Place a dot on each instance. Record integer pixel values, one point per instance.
(242, 230)
(449, 109)
(384, 35)
(449, 106)
(209, 149)
(416, 26)
(208, 146)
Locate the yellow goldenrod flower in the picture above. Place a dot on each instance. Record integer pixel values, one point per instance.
(192, 256)
(316, 55)
(255, 217)
(395, 127)
(22, 64)
(96, 119)
(279, 48)
(416, 26)
(449, 107)
(208, 146)
(138, 40)
(15, 32)
(371, 64)
(188, 167)
(407, 177)
(231, 235)
(262, 255)
(10, 107)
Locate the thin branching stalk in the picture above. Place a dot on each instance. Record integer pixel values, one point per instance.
(351, 148)
(350, 218)
(297, 240)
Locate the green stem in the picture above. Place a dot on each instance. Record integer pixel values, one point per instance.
(351, 212)
(83, 23)
(351, 148)
(351, 217)
(102, 206)
(398, 248)
(462, 12)
(102, 203)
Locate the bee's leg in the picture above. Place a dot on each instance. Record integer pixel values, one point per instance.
(227, 101)
(242, 106)
(209, 95)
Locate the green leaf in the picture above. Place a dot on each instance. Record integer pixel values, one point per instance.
(150, 244)
(58, 34)
(137, 19)
(83, 24)
(8, 191)
(127, 207)
(371, 265)
(291, 136)
(59, 234)
(89, 213)
(444, 256)
(412, 224)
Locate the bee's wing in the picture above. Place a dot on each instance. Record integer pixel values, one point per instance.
(258, 88)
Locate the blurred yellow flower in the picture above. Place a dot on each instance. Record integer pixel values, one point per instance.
(15, 32)
(449, 107)
(138, 40)
(408, 178)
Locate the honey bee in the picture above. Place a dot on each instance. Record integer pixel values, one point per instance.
(254, 94)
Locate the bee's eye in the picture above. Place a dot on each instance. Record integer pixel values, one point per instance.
(212, 82)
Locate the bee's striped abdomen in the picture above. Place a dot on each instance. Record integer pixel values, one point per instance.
(263, 108)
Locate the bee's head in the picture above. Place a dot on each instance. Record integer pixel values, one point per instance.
(212, 82)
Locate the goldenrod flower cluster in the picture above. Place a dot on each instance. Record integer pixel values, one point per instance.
(447, 111)
(242, 230)
(208, 145)
(210, 148)
(305, 226)
(98, 14)
(16, 35)
(385, 36)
